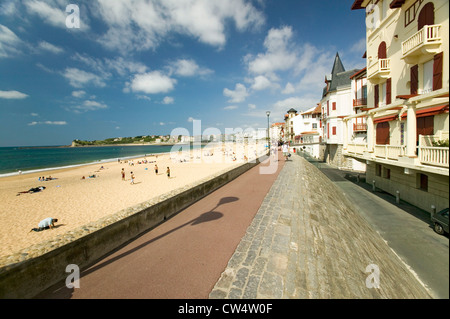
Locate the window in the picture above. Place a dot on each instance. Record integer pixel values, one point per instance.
(386, 173)
(334, 130)
(410, 13)
(314, 126)
(383, 94)
(334, 106)
(378, 169)
(422, 182)
(428, 77)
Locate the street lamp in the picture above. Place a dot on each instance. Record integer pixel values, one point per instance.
(268, 129)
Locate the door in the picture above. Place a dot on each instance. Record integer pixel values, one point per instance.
(382, 51)
(426, 16)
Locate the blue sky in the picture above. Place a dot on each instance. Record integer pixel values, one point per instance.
(146, 67)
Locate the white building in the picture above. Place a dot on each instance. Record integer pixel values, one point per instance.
(308, 131)
(406, 151)
(337, 103)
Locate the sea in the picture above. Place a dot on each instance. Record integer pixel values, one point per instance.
(23, 160)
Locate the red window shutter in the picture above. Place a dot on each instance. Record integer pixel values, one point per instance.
(388, 91)
(334, 130)
(382, 51)
(414, 79)
(328, 130)
(328, 107)
(437, 71)
(425, 126)
(377, 95)
(382, 132)
(426, 16)
(334, 106)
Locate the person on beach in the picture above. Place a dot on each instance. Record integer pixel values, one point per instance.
(156, 169)
(132, 178)
(123, 174)
(168, 172)
(47, 223)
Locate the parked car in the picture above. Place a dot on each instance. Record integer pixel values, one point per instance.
(440, 221)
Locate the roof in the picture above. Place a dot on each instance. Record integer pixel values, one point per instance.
(339, 77)
(396, 4)
(360, 72)
(292, 111)
(357, 4)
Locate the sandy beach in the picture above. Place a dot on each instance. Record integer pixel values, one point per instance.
(76, 201)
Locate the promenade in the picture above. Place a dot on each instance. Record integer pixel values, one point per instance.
(308, 241)
(290, 235)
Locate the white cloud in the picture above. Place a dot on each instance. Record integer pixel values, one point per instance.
(12, 95)
(78, 94)
(47, 123)
(143, 97)
(9, 42)
(168, 100)
(184, 67)
(252, 106)
(53, 13)
(88, 105)
(262, 83)
(238, 95)
(152, 83)
(230, 107)
(79, 78)
(45, 46)
(278, 56)
(140, 24)
(289, 88)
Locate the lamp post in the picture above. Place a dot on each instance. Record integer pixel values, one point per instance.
(268, 130)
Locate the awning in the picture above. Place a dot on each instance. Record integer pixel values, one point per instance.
(429, 111)
(385, 119)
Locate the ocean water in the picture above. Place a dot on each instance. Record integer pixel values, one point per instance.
(32, 159)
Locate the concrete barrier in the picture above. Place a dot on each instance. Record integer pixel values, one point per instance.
(30, 277)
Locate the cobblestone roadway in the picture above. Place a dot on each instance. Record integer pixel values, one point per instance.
(308, 241)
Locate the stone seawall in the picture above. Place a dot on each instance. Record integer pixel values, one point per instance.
(30, 271)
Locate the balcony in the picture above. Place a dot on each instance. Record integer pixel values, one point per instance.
(359, 127)
(392, 152)
(379, 70)
(360, 102)
(422, 45)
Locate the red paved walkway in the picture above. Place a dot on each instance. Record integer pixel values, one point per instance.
(184, 257)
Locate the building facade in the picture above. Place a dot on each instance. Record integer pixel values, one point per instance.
(336, 103)
(406, 148)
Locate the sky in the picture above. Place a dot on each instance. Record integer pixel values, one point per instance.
(92, 70)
